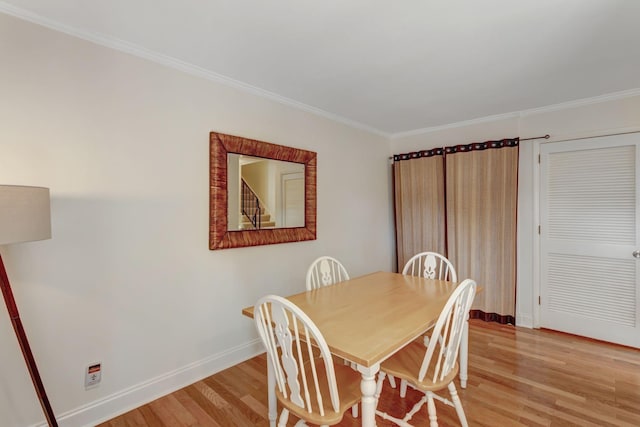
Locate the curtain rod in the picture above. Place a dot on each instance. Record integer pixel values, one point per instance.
(520, 139)
(535, 137)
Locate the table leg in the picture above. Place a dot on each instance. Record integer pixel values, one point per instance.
(368, 388)
(271, 393)
(464, 354)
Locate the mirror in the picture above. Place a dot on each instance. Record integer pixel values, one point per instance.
(283, 180)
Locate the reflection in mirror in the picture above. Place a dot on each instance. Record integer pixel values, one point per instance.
(264, 193)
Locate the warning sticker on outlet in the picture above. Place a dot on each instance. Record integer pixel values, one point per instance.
(93, 375)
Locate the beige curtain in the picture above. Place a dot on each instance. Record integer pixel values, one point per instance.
(419, 206)
(482, 196)
(463, 205)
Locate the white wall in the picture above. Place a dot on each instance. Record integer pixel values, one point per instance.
(605, 115)
(127, 278)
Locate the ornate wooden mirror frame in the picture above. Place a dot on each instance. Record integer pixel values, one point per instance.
(219, 236)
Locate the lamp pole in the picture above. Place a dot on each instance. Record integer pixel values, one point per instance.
(12, 308)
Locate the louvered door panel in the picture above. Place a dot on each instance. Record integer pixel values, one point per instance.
(575, 286)
(592, 195)
(589, 217)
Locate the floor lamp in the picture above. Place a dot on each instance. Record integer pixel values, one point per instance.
(24, 217)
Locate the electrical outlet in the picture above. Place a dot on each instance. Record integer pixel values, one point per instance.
(93, 375)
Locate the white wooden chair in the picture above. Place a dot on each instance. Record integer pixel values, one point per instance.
(434, 368)
(307, 382)
(325, 271)
(430, 265)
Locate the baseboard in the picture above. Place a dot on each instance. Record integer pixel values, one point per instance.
(525, 321)
(123, 401)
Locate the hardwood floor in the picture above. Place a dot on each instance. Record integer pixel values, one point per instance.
(517, 377)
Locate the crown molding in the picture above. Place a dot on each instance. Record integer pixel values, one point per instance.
(518, 114)
(168, 61)
(613, 96)
(464, 123)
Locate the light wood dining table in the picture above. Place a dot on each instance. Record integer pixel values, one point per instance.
(367, 319)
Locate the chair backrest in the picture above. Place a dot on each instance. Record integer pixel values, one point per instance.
(325, 271)
(289, 336)
(430, 265)
(449, 330)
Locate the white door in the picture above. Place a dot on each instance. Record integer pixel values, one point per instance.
(589, 238)
(293, 200)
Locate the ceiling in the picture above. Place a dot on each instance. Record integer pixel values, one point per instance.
(393, 67)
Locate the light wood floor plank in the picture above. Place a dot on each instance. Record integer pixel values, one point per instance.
(202, 417)
(150, 417)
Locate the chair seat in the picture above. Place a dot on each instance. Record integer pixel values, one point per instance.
(350, 394)
(406, 363)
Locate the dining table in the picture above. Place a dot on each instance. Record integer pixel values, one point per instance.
(367, 319)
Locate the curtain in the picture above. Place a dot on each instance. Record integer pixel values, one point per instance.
(464, 206)
(419, 204)
(482, 196)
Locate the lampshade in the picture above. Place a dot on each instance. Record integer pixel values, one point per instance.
(25, 214)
